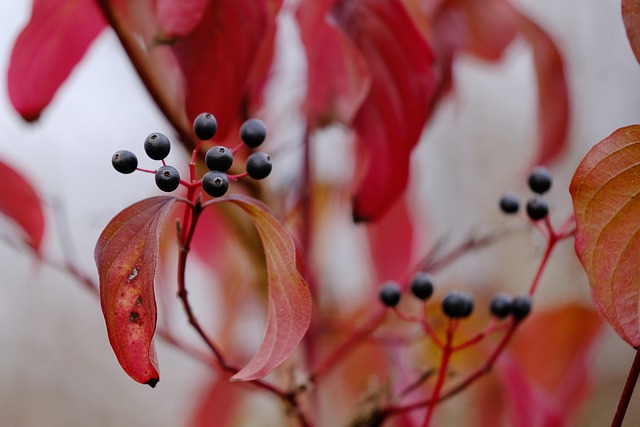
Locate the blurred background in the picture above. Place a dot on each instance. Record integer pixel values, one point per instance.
(56, 366)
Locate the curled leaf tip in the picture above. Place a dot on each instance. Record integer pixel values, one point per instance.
(152, 382)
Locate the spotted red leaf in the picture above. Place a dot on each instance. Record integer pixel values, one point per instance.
(289, 300)
(390, 120)
(126, 256)
(48, 48)
(20, 203)
(605, 190)
(631, 18)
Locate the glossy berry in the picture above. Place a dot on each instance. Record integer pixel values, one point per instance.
(537, 208)
(167, 178)
(422, 286)
(390, 294)
(521, 306)
(157, 146)
(215, 183)
(509, 203)
(457, 305)
(500, 306)
(218, 158)
(205, 126)
(259, 165)
(540, 180)
(124, 161)
(253, 132)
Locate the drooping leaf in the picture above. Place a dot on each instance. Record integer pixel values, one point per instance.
(20, 203)
(126, 256)
(390, 120)
(337, 75)
(179, 17)
(289, 300)
(51, 44)
(606, 206)
(631, 18)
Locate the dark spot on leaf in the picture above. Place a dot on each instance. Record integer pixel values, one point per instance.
(152, 382)
(139, 302)
(134, 317)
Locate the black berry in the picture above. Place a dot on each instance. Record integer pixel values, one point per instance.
(167, 178)
(205, 126)
(215, 183)
(457, 305)
(157, 146)
(500, 306)
(259, 165)
(537, 208)
(390, 294)
(253, 132)
(124, 161)
(540, 180)
(509, 203)
(521, 306)
(218, 158)
(422, 285)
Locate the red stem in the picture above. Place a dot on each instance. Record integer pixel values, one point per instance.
(627, 392)
(444, 366)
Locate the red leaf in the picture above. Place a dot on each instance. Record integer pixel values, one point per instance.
(289, 310)
(48, 48)
(179, 17)
(220, 402)
(126, 256)
(390, 120)
(631, 18)
(605, 191)
(20, 203)
(217, 58)
(337, 75)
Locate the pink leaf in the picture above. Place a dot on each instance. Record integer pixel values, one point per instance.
(219, 401)
(337, 75)
(179, 17)
(289, 309)
(126, 256)
(605, 190)
(391, 118)
(48, 48)
(20, 203)
(631, 18)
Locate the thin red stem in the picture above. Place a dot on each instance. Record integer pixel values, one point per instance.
(447, 350)
(627, 392)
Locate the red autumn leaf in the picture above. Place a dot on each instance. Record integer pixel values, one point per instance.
(48, 48)
(391, 118)
(179, 17)
(126, 256)
(20, 203)
(631, 18)
(337, 76)
(289, 306)
(218, 57)
(605, 191)
(218, 403)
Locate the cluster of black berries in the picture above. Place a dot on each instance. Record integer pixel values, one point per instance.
(456, 304)
(218, 159)
(537, 207)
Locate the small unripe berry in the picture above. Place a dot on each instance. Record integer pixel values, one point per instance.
(537, 208)
(390, 294)
(253, 132)
(215, 183)
(509, 203)
(157, 146)
(457, 305)
(422, 286)
(521, 306)
(500, 306)
(540, 180)
(218, 158)
(259, 165)
(205, 126)
(167, 178)
(124, 161)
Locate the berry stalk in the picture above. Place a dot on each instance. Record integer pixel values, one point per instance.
(447, 351)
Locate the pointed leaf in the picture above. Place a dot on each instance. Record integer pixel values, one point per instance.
(126, 256)
(631, 18)
(20, 203)
(605, 190)
(48, 48)
(179, 17)
(289, 309)
(390, 120)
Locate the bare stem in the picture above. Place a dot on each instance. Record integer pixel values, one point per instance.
(627, 392)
